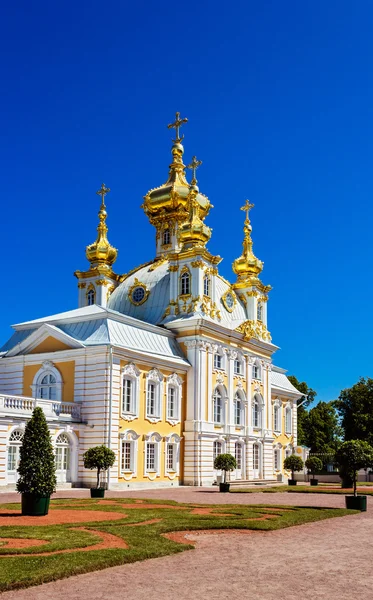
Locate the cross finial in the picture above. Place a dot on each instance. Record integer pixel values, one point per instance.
(194, 166)
(176, 125)
(102, 192)
(246, 208)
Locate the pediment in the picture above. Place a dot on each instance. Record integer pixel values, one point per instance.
(47, 338)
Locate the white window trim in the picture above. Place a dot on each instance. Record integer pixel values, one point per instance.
(156, 377)
(242, 446)
(174, 440)
(258, 398)
(223, 396)
(277, 449)
(128, 436)
(153, 438)
(277, 405)
(175, 382)
(220, 352)
(132, 373)
(240, 394)
(48, 368)
(288, 411)
(220, 441)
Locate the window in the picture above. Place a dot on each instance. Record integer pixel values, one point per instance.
(166, 237)
(218, 361)
(91, 297)
(217, 449)
(15, 442)
(174, 390)
(288, 451)
(259, 311)
(288, 420)
(185, 283)
(47, 387)
(150, 456)
(256, 371)
(127, 456)
(257, 413)
(206, 285)
(238, 410)
(171, 457)
(154, 395)
(138, 295)
(128, 396)
(276, 417)
(238, 455)
(256, 457)
(150, 404)
(218, 407)
(237, 367)
(62, 453)
(276, 459)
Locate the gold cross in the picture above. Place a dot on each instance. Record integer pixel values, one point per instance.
(102, 192)
(176, 125)
(248, 206)
(194, 166)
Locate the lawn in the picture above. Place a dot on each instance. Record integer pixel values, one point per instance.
(87, 535)
(305, 489)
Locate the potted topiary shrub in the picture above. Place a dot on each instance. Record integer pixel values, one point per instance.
(100, 458)
(352, 456)
(293, 463)
(313, 464)
(225, 463)
(37, 467)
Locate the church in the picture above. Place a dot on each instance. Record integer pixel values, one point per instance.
(168, 365)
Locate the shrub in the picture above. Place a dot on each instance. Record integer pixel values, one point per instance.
(352, 456)
(313, 464)
(225, 462)
(100, 458)
(37, 467)
(293, 463)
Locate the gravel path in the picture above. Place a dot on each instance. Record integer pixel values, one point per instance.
(327, 560)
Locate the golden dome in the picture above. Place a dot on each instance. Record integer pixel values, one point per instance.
(194, 232)
(101, 252)
(247, 267)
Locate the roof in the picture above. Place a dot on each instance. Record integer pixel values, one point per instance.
(280, 382)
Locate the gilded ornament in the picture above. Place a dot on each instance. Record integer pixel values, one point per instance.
(254, 330)
(139, 299)
(102, 282)
(81, 285)
(229, 300)
(198, 264)
(173, 268)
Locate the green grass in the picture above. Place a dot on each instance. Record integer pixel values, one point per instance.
(302, 489)
(20, 568)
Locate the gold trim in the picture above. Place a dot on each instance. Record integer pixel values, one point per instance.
(254, 329)
(173, 268)
(81, 285)
(224, 300)
(135, 285)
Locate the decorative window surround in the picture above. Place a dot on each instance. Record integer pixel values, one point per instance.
(218, 405)
(47, 368)
(258, 405)
(277, 416)
(131, 374)
(152, 452)
(257, 370)
(128, 437)
(154, 396)
(174, 396)
(239, 408)
(217, 448)
(288, 419)
(277, 457)
(172, 455)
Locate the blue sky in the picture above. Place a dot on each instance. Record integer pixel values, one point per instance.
(279, 99)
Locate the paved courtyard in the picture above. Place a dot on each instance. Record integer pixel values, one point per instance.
(323, 560)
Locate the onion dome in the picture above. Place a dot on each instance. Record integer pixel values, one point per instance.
(101, 252)
(247, 267)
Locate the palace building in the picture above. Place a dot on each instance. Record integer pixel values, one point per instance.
(169, 365)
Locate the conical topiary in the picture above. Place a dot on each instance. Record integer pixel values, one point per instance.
(37, 468)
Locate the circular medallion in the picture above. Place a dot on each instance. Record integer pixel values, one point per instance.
(138, 295)
(229, 300)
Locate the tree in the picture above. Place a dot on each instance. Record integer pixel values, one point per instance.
(313, 464)
(321, 428)
(293, 463)
(225, 462)
(100, 458)
(355, 406)
(307, 399)
(354, 455)
(37, 468)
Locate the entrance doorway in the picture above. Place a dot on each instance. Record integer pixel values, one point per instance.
(63, 459)
(15, 442)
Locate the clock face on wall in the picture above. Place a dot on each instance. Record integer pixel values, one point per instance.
(229, 301)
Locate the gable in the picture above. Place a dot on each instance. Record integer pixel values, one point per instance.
(50, 344)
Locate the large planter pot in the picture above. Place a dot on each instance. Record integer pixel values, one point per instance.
(97, 492)
(292, 482)
(356, 502)
(224, 487)
(35, 506)
(314, 482)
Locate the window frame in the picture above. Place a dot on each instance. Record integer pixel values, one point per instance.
(154, 377)
(174, 382)
(172, 441)
(91, 296)
(130, 373)
(185, 282)
(288, 419)
(215, 444)
(48, 368)
(277, 416)
(256, 371)
(131, 437)
(207, 285)
(150, 439)
(166, 237)
(240, 410)
(218, 401)
(257, 410)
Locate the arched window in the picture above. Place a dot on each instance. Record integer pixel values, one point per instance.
(218, 407)
(257, 411)
(166, 237)
(277, 416)
(217, 449)
(259, 311)
(238, 410)
(63, 453)
(206, 285)
(15, 442)
(288, 419)
(48, 387)
(91, 297)
(185, 283)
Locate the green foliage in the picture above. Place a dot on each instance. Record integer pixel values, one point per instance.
(308, 398)
(293, 463)
(321, 428)
(225, 462)
(313, 464)
(37, 468)
(100, 458)
(354, 455)
(355, 406)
